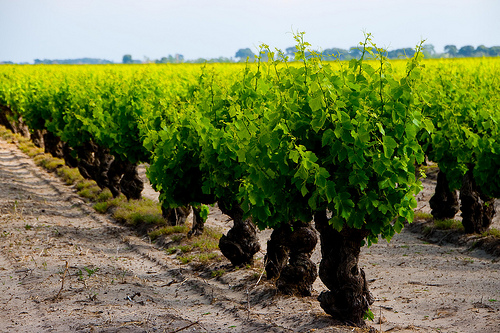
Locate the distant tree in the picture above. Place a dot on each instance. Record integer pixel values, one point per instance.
(243, 54)
(481, 51)
(428, 50)
(494, 51)
(290, 51)
(127, 59)
(451, 50)
(401, 53)
(179, 57)
(355, 52)
(466, 51)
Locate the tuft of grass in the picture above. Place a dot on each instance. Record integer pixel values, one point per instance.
(201, 249)
(422, 216)
(101, 207)
(69, 175)
(492, 232)
(169, 230)
(448, 224)
(48, 162)
(85, 183)
(143, 211)
(90, 193)
(217, 273)
(104, 196)
(31, 150)
(5, 133)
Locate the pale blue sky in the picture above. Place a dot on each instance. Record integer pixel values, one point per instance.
(108, 29)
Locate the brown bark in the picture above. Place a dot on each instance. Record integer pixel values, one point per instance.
(288, 258)
(94, 163)
(37, 138)
(13, 121)
(131, 184)
(175, 216)
(198, 223)
(241, 242)
(348, 297)
(53, 144)
(477, 208)
(444, 203)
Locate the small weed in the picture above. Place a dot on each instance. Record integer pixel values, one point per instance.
(177, 238)
(422, 216)
(69, 175)
(143, 211)
(217, 273)
(101, 207)
(90, 193)
(492, 300)
(104, 196)
(448, 224)
(90, 271)
(85, 183)
(492, 232)
(169, 230)
(28, 227)
(185, 259)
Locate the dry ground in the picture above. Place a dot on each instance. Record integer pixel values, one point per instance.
(65, 268)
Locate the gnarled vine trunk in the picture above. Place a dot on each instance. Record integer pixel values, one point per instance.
(124, 178)
(13, 122)
(37, 138)
(94, 163)
(477, 208)
(444, 203)
(288, 258)
(348, 297)
(198, 223)
(53, 144)
(175, 216)
(241, 242)
(131, 184)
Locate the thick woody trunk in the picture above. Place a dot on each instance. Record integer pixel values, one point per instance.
(175, 216)
(288, 258)
(123, 178)
(198, 223)
(94, 163)
(444, 203)
(241, 242)
(348, 297)
(477, 209)
(53, 144)
(131, 184)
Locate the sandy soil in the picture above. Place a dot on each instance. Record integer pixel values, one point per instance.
(65, 268)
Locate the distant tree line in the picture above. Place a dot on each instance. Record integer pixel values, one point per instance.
(80, 61)
(450, 51)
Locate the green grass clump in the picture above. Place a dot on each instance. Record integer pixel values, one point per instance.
(85, 183)
(5, 133)
(217, 273)
(90, 193)
(143, 211)
(104, 195)
(492, 232)
(422, 216)
(69, 175)
(200, 249)
(48, 162)
(448, 224)
(169, 230)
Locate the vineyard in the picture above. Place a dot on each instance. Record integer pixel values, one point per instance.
(328, 152)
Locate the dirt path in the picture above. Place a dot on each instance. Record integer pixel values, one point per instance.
(65, 268)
